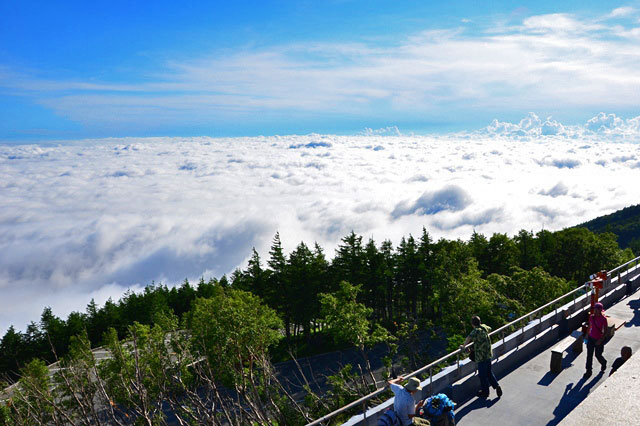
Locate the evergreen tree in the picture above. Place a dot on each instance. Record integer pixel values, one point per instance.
(253, 278)
(407, 274)
(502, 254)
(280, 298)
(349, 261)
(76, 324)
(387, 270)
(54, 331)
(452, 260)
(425, 273)
(320, 280)
(479, 245)
(547, 246)
(302, 286)
(529, 254)
(12, 348)
(373, 286)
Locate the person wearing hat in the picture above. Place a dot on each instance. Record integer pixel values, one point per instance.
(595, 338)
(403, 402)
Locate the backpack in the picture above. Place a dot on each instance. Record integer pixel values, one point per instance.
(439, 410)
(389, 418)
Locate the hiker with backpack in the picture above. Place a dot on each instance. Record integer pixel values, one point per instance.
(482, 356)
(404, 406)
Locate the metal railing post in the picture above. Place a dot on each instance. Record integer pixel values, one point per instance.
(430, 377)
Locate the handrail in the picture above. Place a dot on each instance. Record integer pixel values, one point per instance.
(535, 311)
(623, 265)
(459, 351)
(436, 362)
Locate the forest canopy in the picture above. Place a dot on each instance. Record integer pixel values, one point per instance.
(214, 342)
(438, 282)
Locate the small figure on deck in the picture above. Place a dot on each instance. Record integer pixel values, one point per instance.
(483, 354)
(403, 402)
(595, 338)
(625, 354)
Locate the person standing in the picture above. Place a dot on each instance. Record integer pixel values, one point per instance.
(403, 402)
(483, 354)
(595, 338)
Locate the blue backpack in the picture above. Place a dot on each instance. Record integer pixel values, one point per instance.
(389, 418)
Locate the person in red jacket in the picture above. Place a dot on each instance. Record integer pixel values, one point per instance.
(595, 338)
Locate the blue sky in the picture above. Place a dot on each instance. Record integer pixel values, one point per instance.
(71, 70)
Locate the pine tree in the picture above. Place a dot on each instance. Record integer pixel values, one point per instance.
(349, 261)
(280, 298)
(388, 277)
(302, 289)
(425, 273)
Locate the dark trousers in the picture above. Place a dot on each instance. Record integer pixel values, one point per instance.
(591, 348)
(486, 376)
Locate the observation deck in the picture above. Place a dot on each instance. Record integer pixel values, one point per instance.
(533, 395)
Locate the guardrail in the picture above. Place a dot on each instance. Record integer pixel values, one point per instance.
(618, 270)
(615, 274)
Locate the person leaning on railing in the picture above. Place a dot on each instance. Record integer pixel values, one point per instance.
(482, 351)
(403, 403)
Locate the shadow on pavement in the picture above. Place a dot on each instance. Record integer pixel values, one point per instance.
(572, 396)
(635, 321)
(547, 378)
(475, 405)
(567, 362)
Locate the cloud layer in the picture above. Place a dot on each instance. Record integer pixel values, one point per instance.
(91, 218)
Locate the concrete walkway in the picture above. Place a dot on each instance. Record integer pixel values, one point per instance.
(535, 396)
(615, 403)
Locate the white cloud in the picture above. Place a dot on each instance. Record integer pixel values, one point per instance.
(450, 198)
(558, 22)
(547, 62)
(614, 127)
(558, 190)
(91, 218)
(384, 131)
(622, 11)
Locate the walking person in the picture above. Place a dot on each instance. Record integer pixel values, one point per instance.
(403, 402)
(595, 338)
(483, 354)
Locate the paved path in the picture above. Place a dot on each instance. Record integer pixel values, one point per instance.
(615, 403)
(535, 396)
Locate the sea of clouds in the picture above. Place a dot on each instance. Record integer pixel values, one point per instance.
(89, 219)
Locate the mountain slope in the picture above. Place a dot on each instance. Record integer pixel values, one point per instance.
(624, 223)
